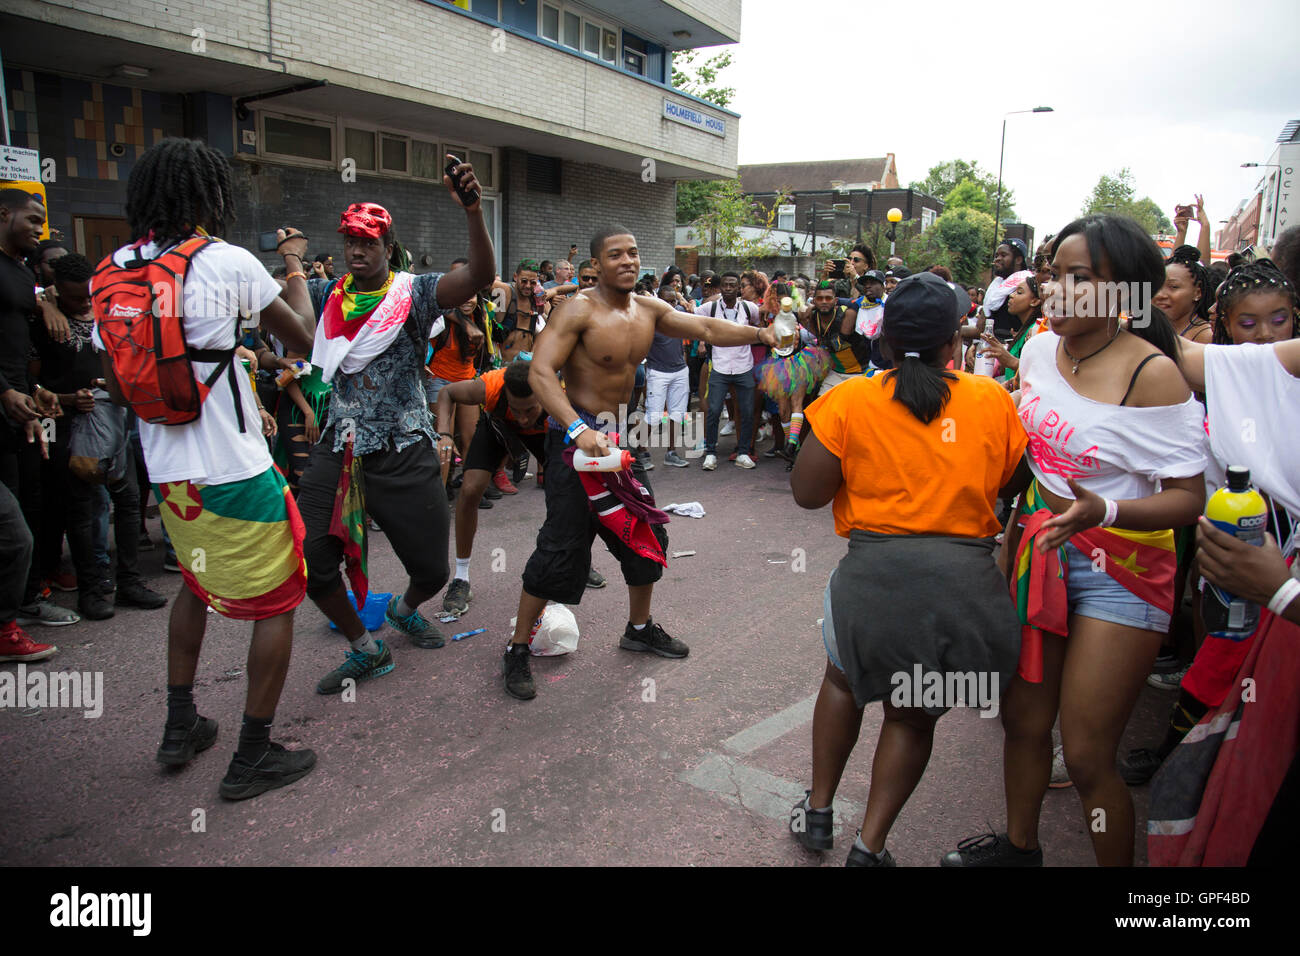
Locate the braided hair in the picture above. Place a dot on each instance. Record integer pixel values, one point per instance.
(177, 186)
(1190, 259)
(1251, 277)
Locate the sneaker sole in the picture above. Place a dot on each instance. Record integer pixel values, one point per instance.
(597, 587)
(809, 842)
(27, 658)
(377, 672)
(184, 757)
(259, 787)
(462, 609)
(630, 645)
(33, 621)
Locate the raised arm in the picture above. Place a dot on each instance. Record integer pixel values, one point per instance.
(460, 285)
(1203, 240)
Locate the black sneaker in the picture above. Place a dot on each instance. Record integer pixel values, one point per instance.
(94, 606)
(520, 469)
(595, 580)
(652, 638)
(180, 744)
(519, 676)
(277, 767)
(1166, 663)
(137, 595)
(357, 666)
(492, 492)
(1139, 766)
(485, 502)
(458, 596)
(812, 828)
(862, 858)
(991, 849)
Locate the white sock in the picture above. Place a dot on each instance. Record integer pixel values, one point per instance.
(462, 568)
(638, 627)
(365, 643)
(863, 847)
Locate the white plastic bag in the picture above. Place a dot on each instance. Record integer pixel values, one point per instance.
(554, 633)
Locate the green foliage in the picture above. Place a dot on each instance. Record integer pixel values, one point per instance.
(968, 194)
(725, 209)
(700, 77)
(967, 235)
(693, 197)
(945, 177)
(1117, 194)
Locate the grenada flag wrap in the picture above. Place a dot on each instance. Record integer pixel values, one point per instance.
(1143, 561)
(348, 522)
(239, 545)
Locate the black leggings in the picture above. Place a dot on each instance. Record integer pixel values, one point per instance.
(405, 497)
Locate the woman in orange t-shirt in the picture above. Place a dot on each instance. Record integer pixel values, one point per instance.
(917, 614)
(455, 354)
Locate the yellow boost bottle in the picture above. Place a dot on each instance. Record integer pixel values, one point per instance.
(1241, 511)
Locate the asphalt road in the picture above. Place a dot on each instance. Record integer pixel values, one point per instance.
(622, 758)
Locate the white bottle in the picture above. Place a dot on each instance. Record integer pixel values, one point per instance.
(620, 459)
(786, 327)
(984, 359)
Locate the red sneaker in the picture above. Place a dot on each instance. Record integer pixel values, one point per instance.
(504, 484)
(17, 645)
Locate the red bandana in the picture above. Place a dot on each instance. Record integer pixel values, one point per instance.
(365, 219)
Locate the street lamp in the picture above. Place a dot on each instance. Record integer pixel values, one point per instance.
(895, 216)
(997, 215)
(1277, 193)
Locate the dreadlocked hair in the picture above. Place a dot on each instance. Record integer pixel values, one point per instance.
(399, 260)
(1190, 259)
(177, 186)
(1262, 275)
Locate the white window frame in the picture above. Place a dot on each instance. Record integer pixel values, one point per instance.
(340, 124)
(782, 212)
(928, 216)
(585, 19)
(308, 119)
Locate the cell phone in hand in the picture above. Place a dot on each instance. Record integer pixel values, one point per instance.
(267, 242)
(468, 196)
(837, 268)
(1183, 211)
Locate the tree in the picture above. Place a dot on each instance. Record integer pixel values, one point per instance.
(967, 234)
(968, 194)
(693, 197)
(700, 78)
(945, 177)
(726, 209)
(1116, 194)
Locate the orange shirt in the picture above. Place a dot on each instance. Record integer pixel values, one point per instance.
(903, 477)
(449, 364)
(494, 382)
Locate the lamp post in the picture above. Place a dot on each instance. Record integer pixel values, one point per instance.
(895, 216)
(997, 215)
(1277, 193)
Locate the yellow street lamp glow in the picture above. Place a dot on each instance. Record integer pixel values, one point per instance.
(894, 215)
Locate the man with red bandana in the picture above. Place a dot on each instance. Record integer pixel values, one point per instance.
(380, 454)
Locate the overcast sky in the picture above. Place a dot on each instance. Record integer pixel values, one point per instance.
(1182, 94)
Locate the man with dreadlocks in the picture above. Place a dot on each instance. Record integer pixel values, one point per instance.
(381, 453)
(237, 534)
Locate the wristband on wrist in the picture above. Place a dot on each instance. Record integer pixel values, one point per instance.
(576, 429)
(1112, 512)
(295, 274)
(1283, 596)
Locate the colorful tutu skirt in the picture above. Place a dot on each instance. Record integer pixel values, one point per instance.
(802, 370)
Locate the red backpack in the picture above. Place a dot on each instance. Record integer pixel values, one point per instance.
(139, 310)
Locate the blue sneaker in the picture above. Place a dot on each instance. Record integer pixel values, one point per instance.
(421, 632)
(357, 666)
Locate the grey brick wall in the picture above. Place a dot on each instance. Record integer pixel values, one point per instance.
(542, 225)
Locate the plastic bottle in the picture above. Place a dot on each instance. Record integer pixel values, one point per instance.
(298, 370)
(984, 360)
(619, 459)
(1241, 511)
(786, 327)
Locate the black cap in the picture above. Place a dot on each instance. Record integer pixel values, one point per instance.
(872, 274)
(1018, 245)
(921, 312)
(898, 273)
(963, 300)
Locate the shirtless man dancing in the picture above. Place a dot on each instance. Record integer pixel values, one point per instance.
(598, 338)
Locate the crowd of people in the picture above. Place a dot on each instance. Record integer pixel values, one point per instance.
(281, 417)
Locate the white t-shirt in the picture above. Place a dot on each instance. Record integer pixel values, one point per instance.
(1252, 401)
(222, 282)
(731, 359)
(1116, 451)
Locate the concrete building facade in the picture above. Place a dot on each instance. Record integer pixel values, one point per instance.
(566, 110)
